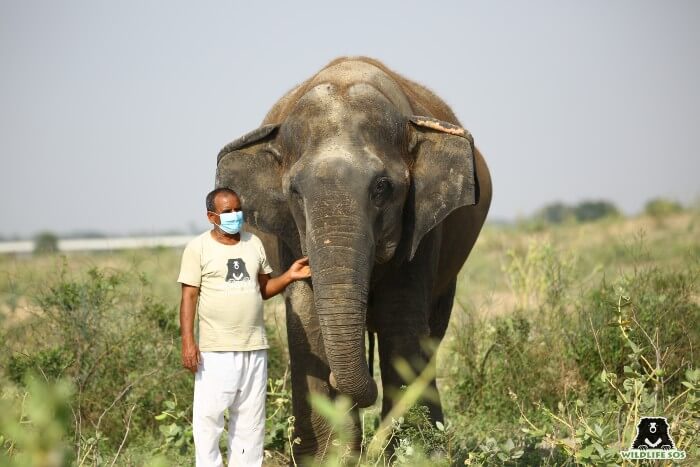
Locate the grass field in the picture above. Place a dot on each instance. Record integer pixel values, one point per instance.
(561, 338)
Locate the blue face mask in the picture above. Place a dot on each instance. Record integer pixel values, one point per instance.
(231, 222)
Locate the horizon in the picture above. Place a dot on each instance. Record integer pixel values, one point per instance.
(197, 229)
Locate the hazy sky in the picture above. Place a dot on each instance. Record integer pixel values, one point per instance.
(112, 113)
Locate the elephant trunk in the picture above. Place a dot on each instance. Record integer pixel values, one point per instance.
(341, 260)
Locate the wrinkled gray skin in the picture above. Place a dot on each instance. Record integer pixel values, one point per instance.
(386, 206)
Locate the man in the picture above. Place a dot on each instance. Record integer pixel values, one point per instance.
(225, 276)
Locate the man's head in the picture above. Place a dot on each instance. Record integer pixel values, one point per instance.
(219, 201)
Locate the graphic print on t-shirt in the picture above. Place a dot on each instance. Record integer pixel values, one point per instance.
(237, 271)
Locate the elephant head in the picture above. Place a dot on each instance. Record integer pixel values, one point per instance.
(352, 180)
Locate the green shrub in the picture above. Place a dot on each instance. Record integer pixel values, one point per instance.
(45, 242)
(35, 423)
(483, 375)
(664, 303)
(594, 432)
(421, 441)
(278, 411)
(587, 211)
(50, 363)
(556, 213)
(117, 346)
(163, 316)
(176, 428)
(570, 362)
(660, 207)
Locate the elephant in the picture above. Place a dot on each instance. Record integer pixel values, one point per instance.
(373, 178)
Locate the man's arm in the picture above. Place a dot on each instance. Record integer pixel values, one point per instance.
(188, 305)
(270, 287)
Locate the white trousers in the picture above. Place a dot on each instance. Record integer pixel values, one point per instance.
(237, 381)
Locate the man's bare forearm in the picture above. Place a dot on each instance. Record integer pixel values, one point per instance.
(188, 305)
(275, 285)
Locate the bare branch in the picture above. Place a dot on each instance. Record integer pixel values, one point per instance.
(126, 433)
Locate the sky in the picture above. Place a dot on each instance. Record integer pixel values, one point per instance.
(112, 113)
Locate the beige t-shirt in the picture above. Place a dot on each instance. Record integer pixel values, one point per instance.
(229, 310)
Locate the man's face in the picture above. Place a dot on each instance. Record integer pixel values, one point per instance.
(223, 202)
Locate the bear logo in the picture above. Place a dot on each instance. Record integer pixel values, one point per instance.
(237, 271)
(652, 433)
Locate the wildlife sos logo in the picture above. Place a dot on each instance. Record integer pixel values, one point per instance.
(237, 276)
(653, 441)
(237, 270)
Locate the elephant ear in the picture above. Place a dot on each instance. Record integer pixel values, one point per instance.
(444, 176)
(250, 166)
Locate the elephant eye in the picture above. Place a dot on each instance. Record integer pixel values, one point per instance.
(382, 189)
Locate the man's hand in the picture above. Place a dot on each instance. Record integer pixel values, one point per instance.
(190, 356)
(300, 269)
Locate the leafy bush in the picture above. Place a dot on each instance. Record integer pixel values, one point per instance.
(176, 428)
(595, 433)
(660, 207)
(51, 363)
(421, 441)
(114, 343)
(514, 350)
(569, 364)
(557, 213)
(656, 302)
(34, 423)
(45, 242)
(588, 211)
(585, 211)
